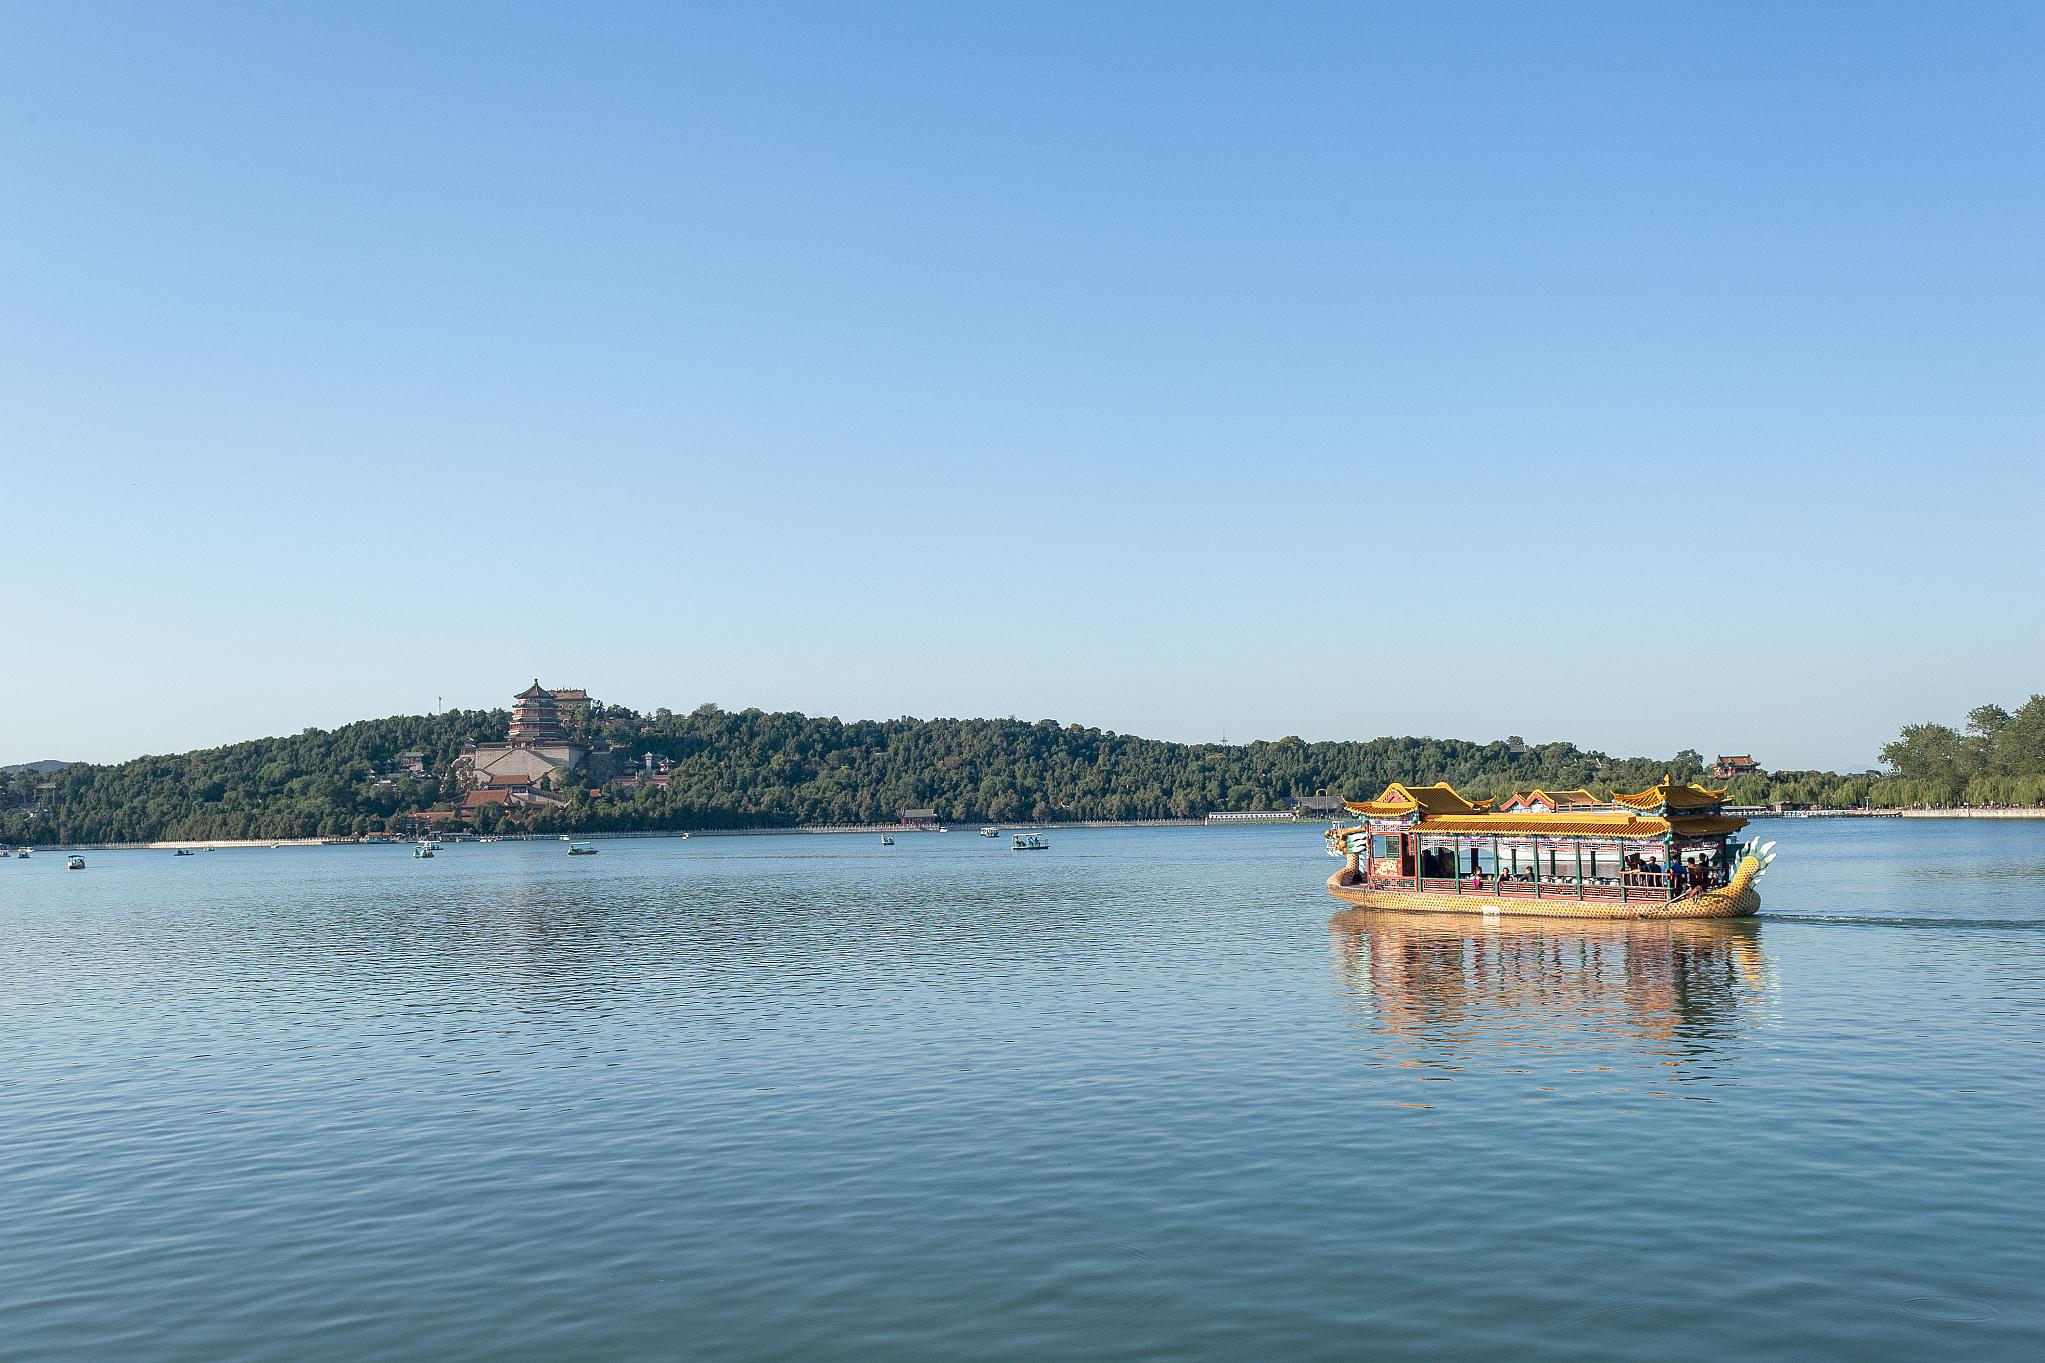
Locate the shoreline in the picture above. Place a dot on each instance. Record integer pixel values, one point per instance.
(825, 830)
(265, 844)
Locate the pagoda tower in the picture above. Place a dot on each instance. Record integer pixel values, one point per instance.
(534, 718)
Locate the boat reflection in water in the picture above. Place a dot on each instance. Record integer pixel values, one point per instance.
(1456, 995)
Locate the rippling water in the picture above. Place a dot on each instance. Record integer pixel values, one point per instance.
(1136, 1097)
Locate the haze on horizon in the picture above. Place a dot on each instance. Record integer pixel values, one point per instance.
(1643, 379)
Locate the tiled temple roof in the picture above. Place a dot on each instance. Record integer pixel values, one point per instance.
(1671, 797)
(1398, 798)
(1682, 810)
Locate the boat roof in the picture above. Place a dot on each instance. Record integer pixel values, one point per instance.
(1685, 810)
(1578, 798)
(1399, 798)
(1572, 825)
(1666, 794)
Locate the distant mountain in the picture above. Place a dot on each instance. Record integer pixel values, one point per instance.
(42, 768)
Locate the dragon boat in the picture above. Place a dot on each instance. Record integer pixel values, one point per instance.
(1669, 851)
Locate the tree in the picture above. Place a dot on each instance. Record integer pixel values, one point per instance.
(1928, 752)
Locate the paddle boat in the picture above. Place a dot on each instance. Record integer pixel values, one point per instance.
(581, 849)
(1029, 842)
(75, 863)
(887, 840)
(990, 832)
(422, 851)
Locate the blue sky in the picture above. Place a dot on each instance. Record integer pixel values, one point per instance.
(1643, 376)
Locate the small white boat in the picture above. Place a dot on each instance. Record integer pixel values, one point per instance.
(76, 863)
(886, 840)
(1029, 842)
(990, 832)
(422, 851)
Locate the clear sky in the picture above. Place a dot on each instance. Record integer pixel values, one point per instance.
(1646, 376)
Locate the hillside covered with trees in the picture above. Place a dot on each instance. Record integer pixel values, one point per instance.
(750, 768)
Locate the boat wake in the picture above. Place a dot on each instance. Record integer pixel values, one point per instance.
(1867, 921)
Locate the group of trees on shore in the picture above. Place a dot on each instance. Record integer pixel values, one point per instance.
(751, 768)
(1998, 757)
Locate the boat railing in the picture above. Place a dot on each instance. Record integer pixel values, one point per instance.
(1630, 885)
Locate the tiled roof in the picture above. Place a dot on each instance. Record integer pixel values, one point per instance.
(1706, 825)
(1555, 799)
(1670, 796)
(1547, 825)
(1441, 810)
(1399, 798)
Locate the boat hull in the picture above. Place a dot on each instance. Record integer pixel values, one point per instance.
(1737, 899)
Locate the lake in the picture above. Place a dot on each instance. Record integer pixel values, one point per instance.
(1142, 1096)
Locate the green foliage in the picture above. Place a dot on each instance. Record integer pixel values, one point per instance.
(318, 783)
(754, 769)
(1999, 759)
(750, 768)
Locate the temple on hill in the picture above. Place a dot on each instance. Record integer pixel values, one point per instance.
(519, 770)
(535, 716)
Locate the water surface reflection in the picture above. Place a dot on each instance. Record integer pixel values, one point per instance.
(1457, 994)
